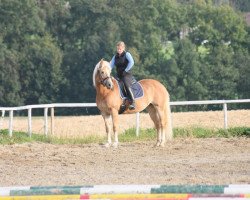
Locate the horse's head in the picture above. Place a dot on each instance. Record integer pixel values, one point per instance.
(104, 71)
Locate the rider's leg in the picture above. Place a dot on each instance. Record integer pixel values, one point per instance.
(132, 105)
(127, 79)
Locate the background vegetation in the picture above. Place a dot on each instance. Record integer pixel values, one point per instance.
(199, 49)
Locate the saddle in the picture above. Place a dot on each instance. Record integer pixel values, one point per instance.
(136, 89)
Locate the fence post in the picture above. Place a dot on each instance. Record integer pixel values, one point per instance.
(52, 114)
(46, 121)
(1, 122)
(137, 123)
(225, 115)
(29, 122)
(10, 122)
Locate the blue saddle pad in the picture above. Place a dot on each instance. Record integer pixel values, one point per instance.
(136, 89)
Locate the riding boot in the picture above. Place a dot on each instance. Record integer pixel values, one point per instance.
(132, 105)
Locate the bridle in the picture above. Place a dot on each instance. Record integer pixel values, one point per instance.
(107, 80)
(104, 81)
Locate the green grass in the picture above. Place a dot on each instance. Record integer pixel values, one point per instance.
(21, 137)
(144, 135)
(127, 136)
(198, 132)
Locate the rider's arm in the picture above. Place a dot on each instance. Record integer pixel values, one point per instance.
(130, 61)
(112, 62)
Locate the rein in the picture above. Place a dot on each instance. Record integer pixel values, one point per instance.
(105, 83)
(103, 80)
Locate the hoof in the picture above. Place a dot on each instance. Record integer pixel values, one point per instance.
(162, 144)
(115, 144)
(158, 144)
(107, 145)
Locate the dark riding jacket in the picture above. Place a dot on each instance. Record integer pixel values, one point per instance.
(123, 62)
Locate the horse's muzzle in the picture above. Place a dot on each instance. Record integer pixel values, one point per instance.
(109, 84)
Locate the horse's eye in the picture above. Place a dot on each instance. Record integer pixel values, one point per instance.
(102, 72)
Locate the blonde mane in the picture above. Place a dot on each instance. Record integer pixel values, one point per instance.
(94, 73)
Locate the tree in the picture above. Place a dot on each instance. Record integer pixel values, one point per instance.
(86, 39)
(221, 79)
(40, 71)
(189, 82)
(216, 24)
(9, 79)
(241, 5)
(241, 60)
(18, 20)
(35, 59)
(196, 48)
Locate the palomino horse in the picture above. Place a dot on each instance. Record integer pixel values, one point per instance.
(108, 100)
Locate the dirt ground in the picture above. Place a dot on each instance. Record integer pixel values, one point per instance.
(182, 161)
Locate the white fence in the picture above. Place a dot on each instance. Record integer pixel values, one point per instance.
(64, 105)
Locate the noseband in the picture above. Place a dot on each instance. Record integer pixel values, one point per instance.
(103, 81)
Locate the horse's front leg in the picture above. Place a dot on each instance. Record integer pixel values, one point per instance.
(107, 118)
(114, 114)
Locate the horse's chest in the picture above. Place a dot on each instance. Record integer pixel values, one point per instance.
(102, 105)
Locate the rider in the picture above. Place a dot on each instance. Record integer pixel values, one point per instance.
(124, 61)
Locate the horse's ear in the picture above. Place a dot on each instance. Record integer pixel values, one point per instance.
(101, 61)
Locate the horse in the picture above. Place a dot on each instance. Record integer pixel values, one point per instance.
(155, 100)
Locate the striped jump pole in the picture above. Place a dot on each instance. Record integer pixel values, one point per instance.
(157, 192)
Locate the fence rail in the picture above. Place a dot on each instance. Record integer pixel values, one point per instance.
(70, 105)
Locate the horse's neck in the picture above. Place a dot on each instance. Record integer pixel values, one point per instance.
(102, 90)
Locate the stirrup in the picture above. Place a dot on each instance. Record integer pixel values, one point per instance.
(131, 107)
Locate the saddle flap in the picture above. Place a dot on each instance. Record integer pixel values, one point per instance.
(136, 89)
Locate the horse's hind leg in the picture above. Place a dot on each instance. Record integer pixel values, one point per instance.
(107, 121)
(155, 118)
(165, 123)
(169, 130)
(162, 124)
(159, 115)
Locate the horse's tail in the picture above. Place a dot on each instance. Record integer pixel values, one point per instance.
(169, 130)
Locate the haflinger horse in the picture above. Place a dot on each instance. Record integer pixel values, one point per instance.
(155, 100)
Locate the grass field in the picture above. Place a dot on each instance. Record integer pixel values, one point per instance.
(127, 136)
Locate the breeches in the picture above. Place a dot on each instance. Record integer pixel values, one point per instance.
(128, 80)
